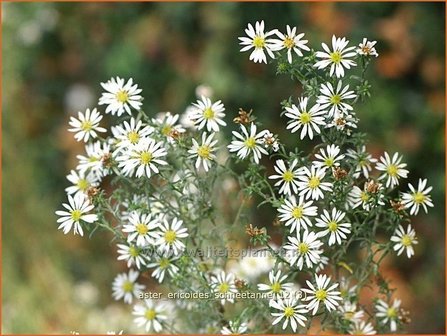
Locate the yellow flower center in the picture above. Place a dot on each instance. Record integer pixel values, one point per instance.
(289, 312)
(250, 142)
(329, 162)
(166, 130)
(406, 240)
(204, 151)
(392, 170)
(170, 236)
(208, 113)
(76, 215)
(314, 182)
(133, 137)
(332, 226)
(86, 125)
(289, 42)
(336, 57)
(297, 212)
(391, 312)
(83, 184)
(349, 315)
(134, 251)
(141, 228)
(164, 263)
(419, 197)
(335, 99)
(259, 42)
(305, 117)
(276, 287)
(145, 157)
(303, 248)
(288, 176)
(128, 286)
(321, 294)
(364, 196)
(122, 96)
(224, 287)
(150, 314)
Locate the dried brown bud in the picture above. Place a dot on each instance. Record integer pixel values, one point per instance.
(404, 316)
(239, 283)
(92, 192)
(244, 117)
(107, 160)
(254, 231)
(372, 186)
(397, 206)
(340, 121)
(339, 173)
(174, 134)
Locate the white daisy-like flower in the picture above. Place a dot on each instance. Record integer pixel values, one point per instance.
(234, 328)
(367, 48)
(296, 214)
(346, 290)
(328, 158)
(248, 143)
(307, 120)
(350, 312)
(171, 234)
(81, 182)
(323, 292)
(270, 141)
(404, 240)
(167, 125)
(254, 263)
(417, 198)
(78, 208)
(304, 249)
(125, 287)
(393, 169)
(150, 315)
(311, 183)
(204, 152)
(276, 285)
(290, 41)
(141, 229)
(358, 197)
(133, 254)
(290, 310)
(343, 120)
(120, 96)
(388, 314)
(86, 125)
(143, 157)
(335, 100)
(223, 285)
(363, 161)
(94, 160)
(333, 224)
(361, 328)
(162, 266)
(259, 40)
(130, 133)
(209, 114)
(338, 58)
(324, 261)
(288, 177)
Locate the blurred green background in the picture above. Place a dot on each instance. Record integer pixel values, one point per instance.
(56, 54)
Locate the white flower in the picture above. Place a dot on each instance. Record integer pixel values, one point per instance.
(94, 161)
(388, 313)
(363, 161)
(346, 290)
(290, 41)
(120, 97)
(170, 236)
(77, 211)
(167, 125)
(322, 292)
(304, 249)
(393, 169)
(343, 120)
(350, 312)
(404, 240)
(287, 177)
(324, 261)
(132, 254)
(223, 285)
(141, 229)
(415, 198)
(234, 328)
(290, 310)
(81, 182)
(338, 58)
(150, 315)
(125, 286)
(328, 158)
(335, 99)
(208, 114)
(204, 152)
(357, 197)
(311, 185)
(333, 225)
(247, 143)
(145, 156)
(254, 263)
(258, 40)
(361, 328)
(367, 48)
(270, 141)
(86, 125)
(306, 119)
(163, 265)
(297, 214)
(130, 133)
(276, 285)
